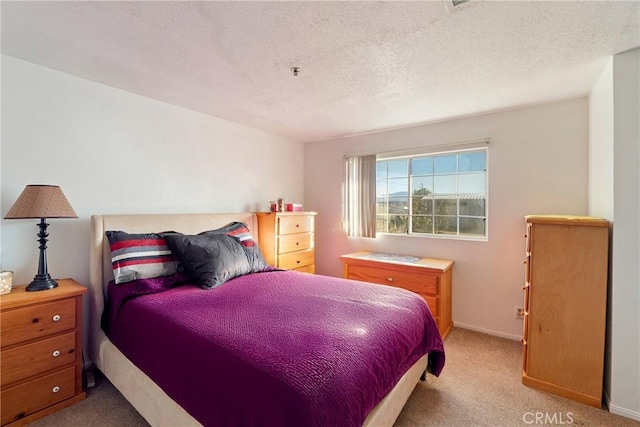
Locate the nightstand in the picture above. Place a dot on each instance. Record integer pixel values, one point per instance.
(41, 351)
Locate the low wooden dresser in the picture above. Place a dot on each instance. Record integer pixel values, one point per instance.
(41, 351)
(286, 239)
(428, 277)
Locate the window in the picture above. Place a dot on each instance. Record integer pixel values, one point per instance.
(433, 194)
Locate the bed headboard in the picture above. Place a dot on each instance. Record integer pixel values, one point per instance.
(100, 271)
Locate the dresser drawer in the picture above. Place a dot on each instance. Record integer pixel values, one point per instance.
(432, 302)
(294, 242)
(30, 397)
(295, 224)
(36, 358)
(295, 260)
(307, 269)
(416, 282)
(37, 321)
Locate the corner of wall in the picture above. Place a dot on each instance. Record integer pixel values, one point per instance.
(624, 390)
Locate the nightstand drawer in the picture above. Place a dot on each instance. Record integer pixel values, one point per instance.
(42, 392)
(416, 282)
(37, 321)
(295, 224)
(294, 242)
(296, 259)
(36, 358)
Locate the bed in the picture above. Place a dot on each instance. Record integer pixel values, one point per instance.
(307, 391)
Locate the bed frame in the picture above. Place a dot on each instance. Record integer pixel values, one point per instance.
(146, 396)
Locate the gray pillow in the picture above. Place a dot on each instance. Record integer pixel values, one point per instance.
(211, 259)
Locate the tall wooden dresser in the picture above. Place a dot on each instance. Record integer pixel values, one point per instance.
(41, 355)
(565, 299)
(286, 239)
(428, 277)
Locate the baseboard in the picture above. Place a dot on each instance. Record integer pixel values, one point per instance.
(488, 331)
(616, 410)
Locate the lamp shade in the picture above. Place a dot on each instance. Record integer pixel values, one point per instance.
(41, 201)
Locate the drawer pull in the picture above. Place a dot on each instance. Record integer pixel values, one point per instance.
(389, 279)
(297, 261)
(56, 353)
(297, 243)
(56, 317)
(36, 320)
(297, 225)
(55, 389)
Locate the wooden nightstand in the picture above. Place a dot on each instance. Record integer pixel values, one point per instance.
(286, 239)
(428, 277)
(41, 351)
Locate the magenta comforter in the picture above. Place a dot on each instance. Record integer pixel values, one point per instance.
(277, 348)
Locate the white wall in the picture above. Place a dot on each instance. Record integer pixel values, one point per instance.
(601, 177)
(625, 304)
(115, 152)
(615, 194)
(601, 145)
(1, 208)
(537, 165)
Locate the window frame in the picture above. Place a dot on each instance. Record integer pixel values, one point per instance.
(481, 146)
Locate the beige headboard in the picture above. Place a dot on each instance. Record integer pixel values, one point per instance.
(100, 272)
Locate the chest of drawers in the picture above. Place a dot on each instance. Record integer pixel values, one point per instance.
(286, 239)
(428, 277)
(565, 303)
(41, 351)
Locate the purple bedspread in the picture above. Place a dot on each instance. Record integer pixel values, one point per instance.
(278, 348)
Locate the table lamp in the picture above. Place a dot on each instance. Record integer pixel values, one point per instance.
(41, 201)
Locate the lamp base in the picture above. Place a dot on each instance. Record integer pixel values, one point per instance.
(41, 283)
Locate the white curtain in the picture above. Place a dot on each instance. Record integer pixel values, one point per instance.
(360, 196)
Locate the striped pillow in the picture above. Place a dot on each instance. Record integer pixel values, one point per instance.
(139, 256)
(238, 231)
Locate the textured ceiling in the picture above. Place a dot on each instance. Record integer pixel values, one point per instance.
(366, 66)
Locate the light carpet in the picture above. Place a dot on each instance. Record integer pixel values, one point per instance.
(480, 386)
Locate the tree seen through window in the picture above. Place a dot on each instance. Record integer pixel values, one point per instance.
(441, 194)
